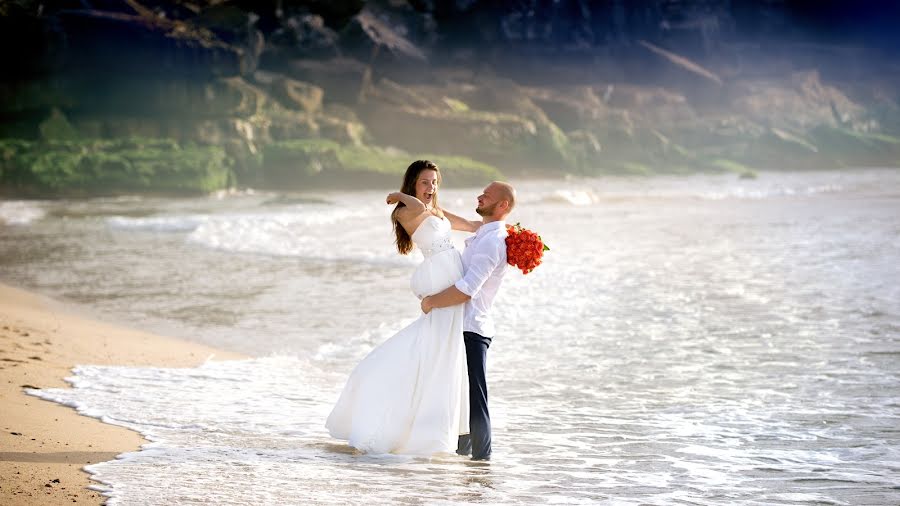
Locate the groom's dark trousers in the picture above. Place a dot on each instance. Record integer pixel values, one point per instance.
(478, 442)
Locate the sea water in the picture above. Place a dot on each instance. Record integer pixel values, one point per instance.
(688, 340)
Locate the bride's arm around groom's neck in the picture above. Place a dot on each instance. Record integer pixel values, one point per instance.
(462, 224)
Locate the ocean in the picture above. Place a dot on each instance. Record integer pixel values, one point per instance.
(688, 340)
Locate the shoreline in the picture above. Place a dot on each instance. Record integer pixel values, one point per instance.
(525, 176)
(44, 446)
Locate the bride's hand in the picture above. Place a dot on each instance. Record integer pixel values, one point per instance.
(426, 305)
(393, 198)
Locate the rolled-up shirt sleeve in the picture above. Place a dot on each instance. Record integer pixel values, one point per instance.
(481, 266)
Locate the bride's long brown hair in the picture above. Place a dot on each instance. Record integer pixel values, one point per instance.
(403, 240)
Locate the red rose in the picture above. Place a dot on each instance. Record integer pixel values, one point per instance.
(524, 248)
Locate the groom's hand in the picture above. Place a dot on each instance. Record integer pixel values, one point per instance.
(426, 305)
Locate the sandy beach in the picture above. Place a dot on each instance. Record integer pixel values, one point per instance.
(43, 445)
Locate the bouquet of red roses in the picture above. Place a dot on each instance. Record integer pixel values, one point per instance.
(524, 248)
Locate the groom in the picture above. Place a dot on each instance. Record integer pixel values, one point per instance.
(484, 263)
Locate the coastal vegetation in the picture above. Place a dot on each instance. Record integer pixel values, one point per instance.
(163, 166)
(203, 96)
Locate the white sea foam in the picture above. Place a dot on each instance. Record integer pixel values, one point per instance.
(234, 433)
(572, 197)
(677, 350)
(334, 236)
(353, 349)
(20, 212)
(762, 192)
(158, 223)
(592, 192)
(312, 231)
(233, 193)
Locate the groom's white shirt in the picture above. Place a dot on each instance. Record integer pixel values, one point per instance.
(484, 263)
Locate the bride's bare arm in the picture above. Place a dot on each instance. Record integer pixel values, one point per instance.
(414, 205)
(458, 223)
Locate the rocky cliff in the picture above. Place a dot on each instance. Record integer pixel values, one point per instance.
(177, 96)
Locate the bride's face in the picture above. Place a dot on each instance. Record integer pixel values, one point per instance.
(426, 186)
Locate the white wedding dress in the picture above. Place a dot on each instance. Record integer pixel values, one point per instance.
(409, 395)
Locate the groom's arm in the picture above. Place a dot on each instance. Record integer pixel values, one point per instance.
(449, 297)
(486, 259)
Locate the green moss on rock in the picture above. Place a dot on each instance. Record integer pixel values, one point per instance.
(100, 167)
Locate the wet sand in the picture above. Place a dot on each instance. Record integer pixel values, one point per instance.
(44, 446)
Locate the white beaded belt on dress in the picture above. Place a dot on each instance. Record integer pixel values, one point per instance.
(438, 246)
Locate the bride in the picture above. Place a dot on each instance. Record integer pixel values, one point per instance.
(410, 394)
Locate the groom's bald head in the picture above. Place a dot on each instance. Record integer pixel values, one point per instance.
(506, 192)
(496, 201)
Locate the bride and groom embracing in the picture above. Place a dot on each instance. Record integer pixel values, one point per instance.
(423, 391)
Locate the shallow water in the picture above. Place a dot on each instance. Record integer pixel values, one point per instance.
(691, 340)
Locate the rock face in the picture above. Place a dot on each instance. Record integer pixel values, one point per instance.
(800, 102)
(529, 87)
(479, 119)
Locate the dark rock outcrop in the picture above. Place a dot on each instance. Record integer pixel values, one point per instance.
(530, 87)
